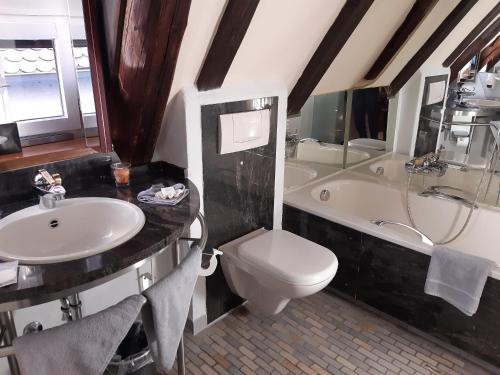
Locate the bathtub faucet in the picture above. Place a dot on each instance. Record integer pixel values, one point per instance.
(428, 164)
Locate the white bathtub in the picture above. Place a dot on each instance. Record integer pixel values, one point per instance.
(356, 199)
(297, 175)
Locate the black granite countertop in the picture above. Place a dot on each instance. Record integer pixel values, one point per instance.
(164, 225)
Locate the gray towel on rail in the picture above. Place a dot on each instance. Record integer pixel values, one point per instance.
(458, 278)
(165, 314)
(81, 347)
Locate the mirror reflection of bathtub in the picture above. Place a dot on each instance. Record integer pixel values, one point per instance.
(359, 195)
(297, 175)
(328, 153)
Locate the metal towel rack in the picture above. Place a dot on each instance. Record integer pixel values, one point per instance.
(201, 242)
(426, 240)
(6, 319)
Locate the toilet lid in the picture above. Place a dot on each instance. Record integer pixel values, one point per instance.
(288, 257)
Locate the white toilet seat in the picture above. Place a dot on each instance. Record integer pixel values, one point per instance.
(268, 268)
(289, 258)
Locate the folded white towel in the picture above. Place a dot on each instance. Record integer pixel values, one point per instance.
(159, 194)
(458, 278)
(8, 273)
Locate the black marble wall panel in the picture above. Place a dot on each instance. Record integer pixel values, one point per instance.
(344, 242)
(391, 278)
(238, 191)
(76, 173)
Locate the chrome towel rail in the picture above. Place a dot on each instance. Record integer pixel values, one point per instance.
(426, 240)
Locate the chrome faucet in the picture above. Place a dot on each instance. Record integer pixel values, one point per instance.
(50, 186)
(463, 92)
(291, 142)
(428, 164)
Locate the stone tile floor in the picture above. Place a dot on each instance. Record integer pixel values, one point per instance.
(322, 334)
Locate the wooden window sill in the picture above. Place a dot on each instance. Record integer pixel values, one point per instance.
(45, 153)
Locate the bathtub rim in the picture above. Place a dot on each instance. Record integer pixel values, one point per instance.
(302, 199)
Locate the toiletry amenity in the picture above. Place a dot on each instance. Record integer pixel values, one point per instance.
(457, 278)
(160, 194)
(8, 273)
(166, 311)
(83, 347)
(121, 171)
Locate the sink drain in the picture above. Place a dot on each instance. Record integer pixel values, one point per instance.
(54, 223)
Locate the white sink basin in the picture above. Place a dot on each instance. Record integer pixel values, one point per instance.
(482, 103)
(75, 228)
(296, 175)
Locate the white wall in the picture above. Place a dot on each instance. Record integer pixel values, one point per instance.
(284, 34)
(364, 45)
(180, 143)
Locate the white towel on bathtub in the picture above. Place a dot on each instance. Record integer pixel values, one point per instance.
(458, 278)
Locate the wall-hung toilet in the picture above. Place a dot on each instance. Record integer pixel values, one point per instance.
(268, 268)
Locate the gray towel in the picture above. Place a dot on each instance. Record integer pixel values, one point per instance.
(82, 347)
(165, 314)
(458, 278)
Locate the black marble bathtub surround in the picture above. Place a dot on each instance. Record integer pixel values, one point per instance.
(164, 225)
(238, 191)
(391, 279)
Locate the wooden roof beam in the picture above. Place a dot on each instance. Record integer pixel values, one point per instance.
(346, 22)
(230, 33)
(437, 37)
(413, 19)
(472, 35)
(475, 47)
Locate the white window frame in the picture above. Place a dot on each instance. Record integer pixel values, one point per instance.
(56, 28)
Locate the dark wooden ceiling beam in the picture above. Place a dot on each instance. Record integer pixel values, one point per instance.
(414, 18)
(474, 48)
(137, 96)
(230, 33)
(94, 30)
(472, 35)
(489, 53)
(494, 58)
(345, 23)
(113, 17)
(437, 37)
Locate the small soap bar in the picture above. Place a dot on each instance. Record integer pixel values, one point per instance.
(168, 192)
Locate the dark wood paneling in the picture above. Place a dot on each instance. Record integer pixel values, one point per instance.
(475, 47)
(238, 192)
(437, 37)
(94, 30)
(417, 14)
(472, 35)
(338, 34)
(137, 96)
(230, 32)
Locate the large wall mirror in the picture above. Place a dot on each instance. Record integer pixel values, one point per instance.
(46, 87)
(334, 131)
